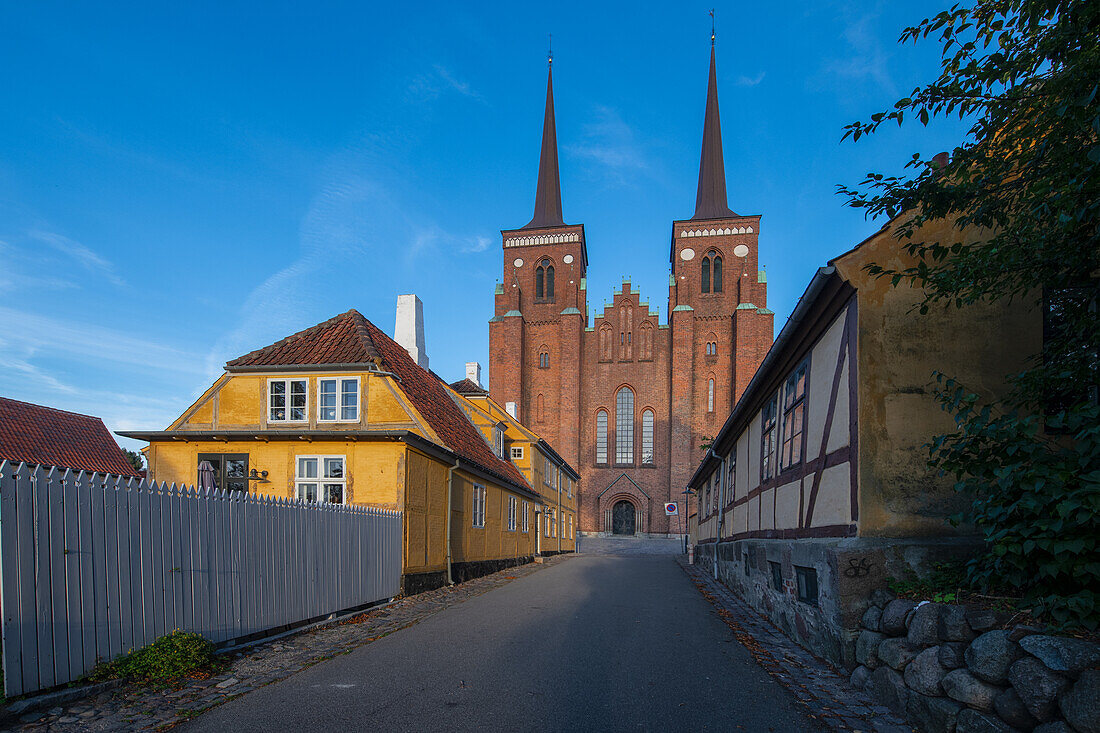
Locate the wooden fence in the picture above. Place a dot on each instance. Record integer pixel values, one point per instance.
(93, 566)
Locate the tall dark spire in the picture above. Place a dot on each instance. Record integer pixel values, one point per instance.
(710, 200)
(548, 194)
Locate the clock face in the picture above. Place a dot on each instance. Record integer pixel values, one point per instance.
(567, 259)
(740, 250)
(687, 254)
(518, 262)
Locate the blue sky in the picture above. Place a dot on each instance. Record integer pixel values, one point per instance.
(181, 183)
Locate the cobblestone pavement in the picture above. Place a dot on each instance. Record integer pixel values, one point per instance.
(817, 685)
(132, 708)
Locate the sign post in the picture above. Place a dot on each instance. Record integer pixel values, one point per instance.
(673, 509)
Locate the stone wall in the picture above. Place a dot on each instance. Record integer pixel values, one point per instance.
(958, 668)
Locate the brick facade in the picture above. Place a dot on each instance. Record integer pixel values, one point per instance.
(561, 366)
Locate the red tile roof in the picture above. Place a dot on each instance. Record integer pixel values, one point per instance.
(467, 386)
(339, 340)
(44, 436)
(350, 338)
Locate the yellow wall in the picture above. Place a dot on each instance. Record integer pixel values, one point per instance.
(494, 540)
(898, 350)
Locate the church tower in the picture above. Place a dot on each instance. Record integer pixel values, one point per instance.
(627, 400)
(721, 327)
(536, 331)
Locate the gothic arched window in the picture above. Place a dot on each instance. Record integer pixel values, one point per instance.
(544, 358)
(605, 342)
(717, 278)
(539, 407)
(647, 437)
(706, 274)
(540, 275)
(624, 426)
(549, 280)
(601, 436)
(710, 395)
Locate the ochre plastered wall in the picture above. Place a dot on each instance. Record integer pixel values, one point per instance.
(898, 351)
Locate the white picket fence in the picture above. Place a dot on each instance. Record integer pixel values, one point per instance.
(92, 566)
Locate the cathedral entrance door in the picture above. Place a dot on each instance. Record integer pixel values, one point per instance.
(622, 518)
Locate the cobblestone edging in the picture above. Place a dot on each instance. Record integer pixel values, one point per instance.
(827, 694)
(967, 669)
(133, 708)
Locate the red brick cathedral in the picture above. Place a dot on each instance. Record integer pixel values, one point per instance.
(624, 398)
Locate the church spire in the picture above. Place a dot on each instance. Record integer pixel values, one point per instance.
(548, 194)
(710, 200)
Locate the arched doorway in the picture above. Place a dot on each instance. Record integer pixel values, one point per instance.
(622, 518)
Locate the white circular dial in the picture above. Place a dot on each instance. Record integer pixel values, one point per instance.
(567, 259)
(518, 262)
(687, 254)
(740, 250)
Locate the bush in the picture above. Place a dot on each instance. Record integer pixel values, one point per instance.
(172, 657)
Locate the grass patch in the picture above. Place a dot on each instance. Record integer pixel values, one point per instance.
(172, 658)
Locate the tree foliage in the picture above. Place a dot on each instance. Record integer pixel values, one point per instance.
(1024, 184)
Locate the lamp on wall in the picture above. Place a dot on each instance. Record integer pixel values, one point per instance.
(255, 475)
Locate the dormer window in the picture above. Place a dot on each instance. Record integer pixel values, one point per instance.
(287, 400)
(498, 441)
(338, 399)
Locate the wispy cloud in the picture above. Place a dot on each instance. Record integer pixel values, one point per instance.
(18, 271)
(749, 81)
(611, 146)
(867, 57)
(84, 256)
(440, 80)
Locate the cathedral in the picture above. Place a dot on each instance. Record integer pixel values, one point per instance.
(627, 400)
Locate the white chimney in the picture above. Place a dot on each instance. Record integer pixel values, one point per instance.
(409, 328)
(473, 372)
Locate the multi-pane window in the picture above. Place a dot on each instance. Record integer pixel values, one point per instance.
(544, 360)
(570, 526)
(553, 523)
(320, 479)
(517, 452)
(511, 514)
(544, 280)
(477, 511)
(767, 440)
(601, 436)
(498, 442)
(524, 518)
(338, 399)
(546, 520)
(710, 395)
(794, 412)
(731, 481)
(229, 471)
(624, 426)
(647, 437)
(286, 400)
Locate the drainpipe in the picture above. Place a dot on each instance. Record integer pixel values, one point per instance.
(561, 519)
(450, 493)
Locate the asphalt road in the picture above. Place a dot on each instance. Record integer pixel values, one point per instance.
(596, 643)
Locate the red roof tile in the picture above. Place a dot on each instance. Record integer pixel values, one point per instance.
(350, 338)
(467, 386)
(339, 340)
(44, 436)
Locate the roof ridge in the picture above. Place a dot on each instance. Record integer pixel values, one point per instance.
(51, 409)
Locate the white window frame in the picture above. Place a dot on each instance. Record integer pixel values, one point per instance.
(517, 452)
(320, 479)
(570, 526)
(498, 441)
(601, 436)
(339, 393)
(478, 508)
(511, 514)
(286, 381)
(546, 520)
(525, 518)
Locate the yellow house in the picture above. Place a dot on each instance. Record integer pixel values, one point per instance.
(546, 471)
(340, 413)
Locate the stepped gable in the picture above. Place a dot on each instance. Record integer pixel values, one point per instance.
(341, 339)
(45, 436)
(350, 338)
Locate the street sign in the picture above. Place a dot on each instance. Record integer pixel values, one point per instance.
(671, 509)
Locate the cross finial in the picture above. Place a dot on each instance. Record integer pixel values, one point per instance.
(550, 49)
(712, 26)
